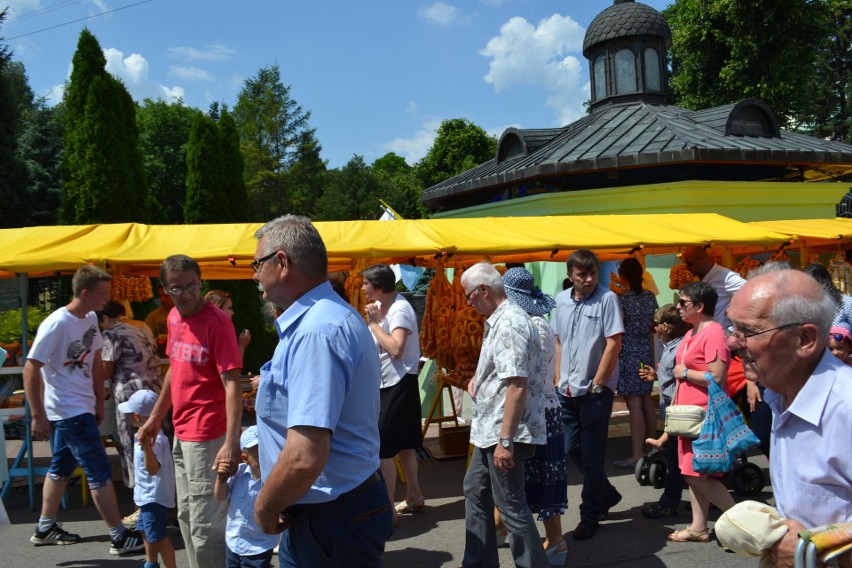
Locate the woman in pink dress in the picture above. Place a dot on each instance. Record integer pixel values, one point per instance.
(703, 350)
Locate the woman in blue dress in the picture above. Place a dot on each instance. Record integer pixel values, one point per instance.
(638, 306)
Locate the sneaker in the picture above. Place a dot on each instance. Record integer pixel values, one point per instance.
(130, 520)
(54, 535)
(129, 543)
(659, 511)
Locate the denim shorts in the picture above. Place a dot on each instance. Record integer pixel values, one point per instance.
(77, 440)
(153, 520)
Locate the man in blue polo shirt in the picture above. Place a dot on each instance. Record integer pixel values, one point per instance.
(318, 411)
(588, 325)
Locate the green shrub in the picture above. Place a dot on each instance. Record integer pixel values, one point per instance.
(10, 324)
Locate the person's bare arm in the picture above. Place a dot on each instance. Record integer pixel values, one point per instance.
(609, 359)
(98, 378)
(299, 464)
(152, 426)
(230, 450)
(513, 410)
(151, 463)
(34, 390)
(393, 343)
(220, 487)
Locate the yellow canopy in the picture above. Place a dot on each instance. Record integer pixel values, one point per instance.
(225, 250)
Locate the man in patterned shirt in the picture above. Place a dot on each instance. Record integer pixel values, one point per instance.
(508, 422)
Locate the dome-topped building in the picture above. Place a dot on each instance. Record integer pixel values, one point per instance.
(626, 47)
(732, 159)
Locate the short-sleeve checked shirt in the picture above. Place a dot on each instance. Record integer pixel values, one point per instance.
(510, 348)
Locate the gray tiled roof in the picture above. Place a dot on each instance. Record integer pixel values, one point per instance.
(625, 19)
(640, 134)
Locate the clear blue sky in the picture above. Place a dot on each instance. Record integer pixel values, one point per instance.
(376, 75)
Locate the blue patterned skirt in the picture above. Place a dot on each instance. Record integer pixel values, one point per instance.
(546, 473)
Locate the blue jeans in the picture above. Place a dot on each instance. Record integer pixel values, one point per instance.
(349, 531)
(78, 440)
(485, 486)
(234, 560)
(586, 421)
(673, 483)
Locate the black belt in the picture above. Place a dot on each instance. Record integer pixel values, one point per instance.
(296, 510)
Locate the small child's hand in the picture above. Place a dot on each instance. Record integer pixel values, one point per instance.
(647, 374)
(145, 442)
(223, 468)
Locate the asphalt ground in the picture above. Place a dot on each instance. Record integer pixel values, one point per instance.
(429, 539)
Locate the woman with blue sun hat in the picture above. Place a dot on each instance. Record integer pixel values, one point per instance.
(546, 472)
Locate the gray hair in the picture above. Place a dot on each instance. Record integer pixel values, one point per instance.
(300, 240)
(795, 304)
(483, 273)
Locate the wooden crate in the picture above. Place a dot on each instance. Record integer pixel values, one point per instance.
(454, 440)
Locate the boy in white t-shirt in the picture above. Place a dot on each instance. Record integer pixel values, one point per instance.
(154, 492)
(64, 382)
(247, 545)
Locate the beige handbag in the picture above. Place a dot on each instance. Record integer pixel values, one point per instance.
(683, 420)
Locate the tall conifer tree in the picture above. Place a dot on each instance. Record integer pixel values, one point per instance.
(102, 165)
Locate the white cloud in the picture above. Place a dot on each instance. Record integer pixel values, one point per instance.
(214, 52)
(540, 56)
(54, 95)
(189, 73)
(133, 71)
(414, 148)
(439, 14)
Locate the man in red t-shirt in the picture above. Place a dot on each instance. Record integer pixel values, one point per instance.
(203, 384)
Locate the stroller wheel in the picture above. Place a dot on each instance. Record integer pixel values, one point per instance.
(747, 479)
(657, 474)
(641, 471)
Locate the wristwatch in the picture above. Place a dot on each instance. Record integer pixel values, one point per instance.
(506, 443)
(597, 389)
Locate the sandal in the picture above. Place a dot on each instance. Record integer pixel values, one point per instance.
(691, 536)
(413, 507)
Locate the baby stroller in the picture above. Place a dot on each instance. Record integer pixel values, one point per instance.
(745, 479)
(651, 468)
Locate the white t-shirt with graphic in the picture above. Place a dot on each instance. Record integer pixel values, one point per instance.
(66, 346)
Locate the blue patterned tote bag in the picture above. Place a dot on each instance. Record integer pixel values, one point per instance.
(724, 435)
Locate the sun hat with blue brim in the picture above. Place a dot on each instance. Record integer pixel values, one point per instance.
(520, 288)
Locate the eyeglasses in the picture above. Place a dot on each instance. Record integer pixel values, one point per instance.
(256, 264)
(659, 322)
(682, 303)
(188, 289)
(838, 337)
(740, 335)
(470, 294)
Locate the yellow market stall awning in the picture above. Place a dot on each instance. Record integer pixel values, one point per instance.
(225, 250)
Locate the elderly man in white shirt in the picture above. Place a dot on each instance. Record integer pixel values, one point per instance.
(781, 320)
(508, 422)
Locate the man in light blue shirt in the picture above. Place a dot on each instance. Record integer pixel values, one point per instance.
(781, 320)
(318, 411)
(588, 326)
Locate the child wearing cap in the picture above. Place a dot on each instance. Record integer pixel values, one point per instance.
(154, 492)
(840, 344)
(247, 545)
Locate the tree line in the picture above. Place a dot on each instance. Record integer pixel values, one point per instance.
(98, 156)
